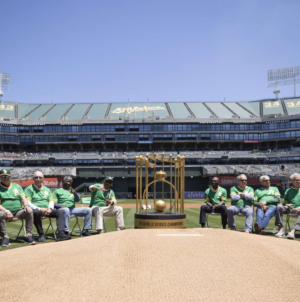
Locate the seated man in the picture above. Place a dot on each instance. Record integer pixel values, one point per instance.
(41, 201)
(11, 197)
(215, 199)
(103, 204)
(291, 205)
(266, 200)
(241, 201)
(64, 199)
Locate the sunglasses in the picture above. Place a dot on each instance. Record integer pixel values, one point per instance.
(110, 182)
(243, 179)
(5, 176)
(267, 180)
(38, 177)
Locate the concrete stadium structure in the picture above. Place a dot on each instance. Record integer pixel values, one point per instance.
(103, 138)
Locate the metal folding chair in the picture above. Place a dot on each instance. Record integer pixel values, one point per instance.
(14, 238)
(213, 214)
(77, 223)
(287, 222)
(50, 225)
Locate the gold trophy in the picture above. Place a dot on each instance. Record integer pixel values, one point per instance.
(162, 217)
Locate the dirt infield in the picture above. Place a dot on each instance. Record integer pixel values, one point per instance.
(137, 265)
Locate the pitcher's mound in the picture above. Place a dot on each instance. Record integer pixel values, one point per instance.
(150, 265)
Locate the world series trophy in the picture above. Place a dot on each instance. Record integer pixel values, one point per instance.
(160, 217)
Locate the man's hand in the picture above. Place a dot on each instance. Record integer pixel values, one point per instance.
(108, 202)
(9, 216)
(28, 209)
(262, 204)
(242, 195)
(45, 211)
(290, 206)
(63, 207)
(264, 208)
(296, 210)
(72, 191)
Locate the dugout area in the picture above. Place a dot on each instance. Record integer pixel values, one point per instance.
(154, 265)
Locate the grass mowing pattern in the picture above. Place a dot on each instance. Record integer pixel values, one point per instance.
(192, 221)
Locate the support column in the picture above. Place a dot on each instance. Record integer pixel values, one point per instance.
(219, 146)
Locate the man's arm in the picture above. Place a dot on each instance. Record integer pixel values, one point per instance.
(96, 187)
(8, 213)
(27, 208)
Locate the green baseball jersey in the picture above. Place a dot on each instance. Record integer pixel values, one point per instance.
(10, 198)
(39, 197)
(292, 196)
(215, 197)
(241, 202)
(266, 195)
(99, 197)
(64, 197)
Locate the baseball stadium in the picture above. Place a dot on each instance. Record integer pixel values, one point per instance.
(92, 143)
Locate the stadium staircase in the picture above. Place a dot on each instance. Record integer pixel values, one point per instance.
(247, 109)
(169, 109)
(25, 116)
(189, 110)
(87, 111)
(40, 118)
(107, 110)
(63, 116)
(213, 114)
(234, 114)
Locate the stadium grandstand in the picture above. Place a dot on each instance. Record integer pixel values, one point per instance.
(92, 140)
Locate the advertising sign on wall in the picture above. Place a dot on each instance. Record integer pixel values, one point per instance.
(232, 181)
(48, 182)
(194, 195)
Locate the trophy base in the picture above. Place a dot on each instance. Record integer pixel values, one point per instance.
(159, 221)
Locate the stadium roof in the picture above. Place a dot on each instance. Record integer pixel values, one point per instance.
(94, 112)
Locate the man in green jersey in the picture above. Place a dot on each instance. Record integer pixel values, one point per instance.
(65, 198)
(266, 200)
(103, 204)
(291, 205)
(41, 201)
(241, 202)
(215, 199)
(11, 198)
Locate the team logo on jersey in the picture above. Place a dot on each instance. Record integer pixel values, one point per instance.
(71, 195)
(271, 192)
(219, 195)
(46, 194)
(16, 191)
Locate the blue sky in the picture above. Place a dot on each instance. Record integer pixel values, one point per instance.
(76, 51)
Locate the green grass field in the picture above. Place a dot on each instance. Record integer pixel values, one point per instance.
(192, 221)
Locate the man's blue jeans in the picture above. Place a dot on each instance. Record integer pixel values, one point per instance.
(81, 212)
(263, 218)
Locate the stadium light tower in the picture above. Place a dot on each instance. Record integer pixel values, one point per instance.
(284, 76)
(4, 83)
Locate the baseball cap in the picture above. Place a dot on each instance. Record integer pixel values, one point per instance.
(5, 172)
(109, 178)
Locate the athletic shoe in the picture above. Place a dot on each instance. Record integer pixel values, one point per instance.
(42, 238)
(262, 232)
(280, 234)
(5, 242)
(290, 235)
(257, 228)
(247, 232)
(85, 233)
(30, 240)
(62, 237)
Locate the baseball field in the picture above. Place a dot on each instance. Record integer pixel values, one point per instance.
(192, 210)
